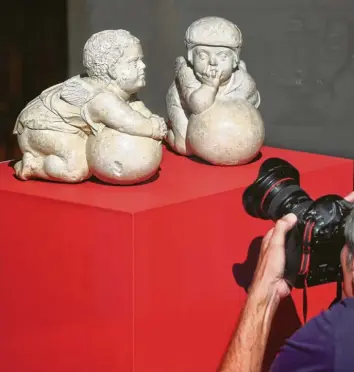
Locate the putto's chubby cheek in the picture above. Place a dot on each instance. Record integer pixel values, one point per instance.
(141, 82)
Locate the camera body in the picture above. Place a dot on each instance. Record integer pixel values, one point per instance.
(313, 246)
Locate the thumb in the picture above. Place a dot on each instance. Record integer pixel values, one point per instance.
(350, 197)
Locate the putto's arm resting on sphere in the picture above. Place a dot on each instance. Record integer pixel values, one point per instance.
(118, 115)
(140, 107)
(202, 98)
(198, 96)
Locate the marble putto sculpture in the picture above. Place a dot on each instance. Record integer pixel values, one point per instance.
(212, 103)
(94, 124)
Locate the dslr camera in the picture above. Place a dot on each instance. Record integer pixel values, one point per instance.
(313, 246)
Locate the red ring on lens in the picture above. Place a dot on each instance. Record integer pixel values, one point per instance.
(271, 188)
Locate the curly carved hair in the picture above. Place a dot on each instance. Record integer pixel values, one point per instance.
(104, 49)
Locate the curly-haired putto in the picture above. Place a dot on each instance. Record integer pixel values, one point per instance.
(104, 49)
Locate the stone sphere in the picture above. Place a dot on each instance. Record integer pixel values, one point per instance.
(228, 133)
(123, 159)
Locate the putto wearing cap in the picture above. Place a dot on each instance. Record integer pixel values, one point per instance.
(212, 73)
(213, 31)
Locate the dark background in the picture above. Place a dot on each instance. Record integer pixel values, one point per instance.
(300, 52)
(33, 56)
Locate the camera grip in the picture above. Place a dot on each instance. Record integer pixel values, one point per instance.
(293, 256)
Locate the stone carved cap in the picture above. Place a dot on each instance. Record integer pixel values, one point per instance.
(213, 31)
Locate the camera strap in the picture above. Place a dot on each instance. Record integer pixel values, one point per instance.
(305, 262)
(306, 248)
(304, 302)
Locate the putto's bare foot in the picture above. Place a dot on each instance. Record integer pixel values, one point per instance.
(18, 170)
(23, 168)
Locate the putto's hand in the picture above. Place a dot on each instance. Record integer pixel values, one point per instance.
(268, 278)
(159, 127)
(211, 77)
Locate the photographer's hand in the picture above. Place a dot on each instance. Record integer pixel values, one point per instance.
(268, 277)
(246, 350)
(350, 197)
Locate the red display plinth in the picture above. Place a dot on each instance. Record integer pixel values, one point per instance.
(149, 278)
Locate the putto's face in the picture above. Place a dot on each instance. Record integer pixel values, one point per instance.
(130, 70)
(214, 58)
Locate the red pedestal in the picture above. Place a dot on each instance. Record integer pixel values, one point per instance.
(97, 278)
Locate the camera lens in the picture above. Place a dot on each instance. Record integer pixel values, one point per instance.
(276, 192)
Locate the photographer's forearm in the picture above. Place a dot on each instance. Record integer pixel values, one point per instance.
(247, 347)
